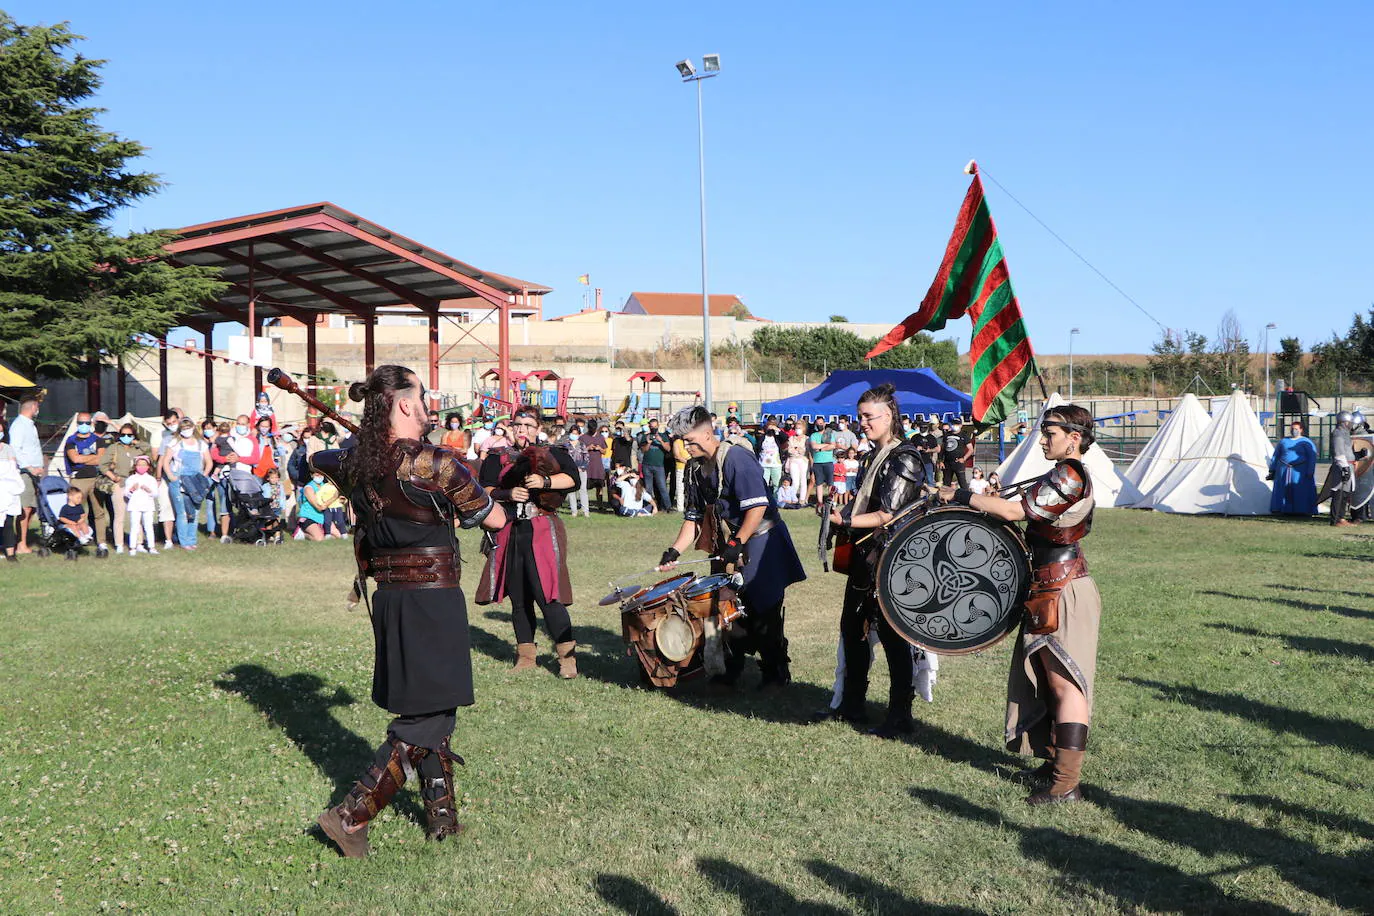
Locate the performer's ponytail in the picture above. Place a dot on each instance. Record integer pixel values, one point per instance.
(372, 458)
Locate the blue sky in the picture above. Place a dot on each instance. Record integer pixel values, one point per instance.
(1205, 156)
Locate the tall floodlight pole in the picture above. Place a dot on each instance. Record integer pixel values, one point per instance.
(710, 66)
(1072, 332)
(1264, 403)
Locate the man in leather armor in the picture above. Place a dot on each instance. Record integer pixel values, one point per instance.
(528, 560)
(407, 495)
(730, 513)
(1343, 458)
(1054, 663)
(892, 476)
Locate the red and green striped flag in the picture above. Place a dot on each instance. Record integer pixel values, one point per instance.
(974, 280)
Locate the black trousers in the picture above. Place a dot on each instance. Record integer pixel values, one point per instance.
(762, 631)
(522, 585)
(9, 534)
(426, 730)
(956, 470)
(860, 612)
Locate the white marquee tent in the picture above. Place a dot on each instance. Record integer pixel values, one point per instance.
(1169, 444)
(1110, 489)
(1223, 471)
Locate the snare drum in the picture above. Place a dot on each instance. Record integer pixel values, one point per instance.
(713, 596)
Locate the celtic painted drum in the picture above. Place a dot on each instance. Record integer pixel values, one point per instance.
(954, 580)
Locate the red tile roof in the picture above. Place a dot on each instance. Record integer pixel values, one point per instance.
(684, 303)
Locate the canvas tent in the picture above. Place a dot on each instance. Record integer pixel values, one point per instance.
(1170, 443)
(919, 391)
(1223, 471)
(1110, 489)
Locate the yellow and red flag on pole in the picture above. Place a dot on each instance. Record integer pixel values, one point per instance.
(585, 279)
(974, 280)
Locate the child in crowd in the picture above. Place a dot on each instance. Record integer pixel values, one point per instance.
(994, 485)
(787, 495)
(849, 464)
(140, 490)
(978, 485)
(272, 490)
(73, 518)
(633, 502)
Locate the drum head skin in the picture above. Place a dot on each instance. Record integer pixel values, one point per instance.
(659, 593)
(954, 581)
(675, 639)
(706, 585)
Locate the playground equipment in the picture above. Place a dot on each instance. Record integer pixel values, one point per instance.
(542, 388)
(641, 398)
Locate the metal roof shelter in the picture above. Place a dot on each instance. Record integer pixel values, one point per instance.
(304, 262)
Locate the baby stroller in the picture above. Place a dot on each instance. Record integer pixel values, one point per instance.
(52, 536)
(252, 516)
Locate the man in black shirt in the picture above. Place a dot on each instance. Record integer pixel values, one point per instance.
(928, 444)
(622, 449)
(955, 449)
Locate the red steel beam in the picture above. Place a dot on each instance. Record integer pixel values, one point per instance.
(369, 343)
(162, 396)
(338, 299)
(310, 361)
(434, 356)
(405, 295)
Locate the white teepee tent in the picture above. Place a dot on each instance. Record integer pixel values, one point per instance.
(1223, 471)
(1170, 443)
(1110, 489)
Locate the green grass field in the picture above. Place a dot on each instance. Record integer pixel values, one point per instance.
(173, 725)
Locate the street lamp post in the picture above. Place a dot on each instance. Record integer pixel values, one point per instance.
(1264, 402)
(710, 66)
(1072, 332)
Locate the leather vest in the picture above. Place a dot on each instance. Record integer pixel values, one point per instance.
(1051, 542)
(429, 486)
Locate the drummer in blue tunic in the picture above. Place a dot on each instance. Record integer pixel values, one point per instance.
(730, 513)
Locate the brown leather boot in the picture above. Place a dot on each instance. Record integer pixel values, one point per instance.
(567, 664)
(525, 653)
(436, 789)
(346, 823)
(1070, 740)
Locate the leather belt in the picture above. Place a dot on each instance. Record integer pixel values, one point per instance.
(1054, 573)
(1045, 554)
(413, 567)
(764, 527)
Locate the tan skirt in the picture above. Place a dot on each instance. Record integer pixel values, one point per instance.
(1075, 645)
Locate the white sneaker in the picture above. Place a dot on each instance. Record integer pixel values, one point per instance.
(152, 551)
(226, 539)
(138, 550)
(119, 549)
(298, 536)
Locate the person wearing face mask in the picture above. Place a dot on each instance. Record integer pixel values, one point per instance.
(166, 512)
(314, 500)
(529, 560)
(23, 435)
(140, 489)
(435, 435)
(265, 411)
(116, 464)
(455, 437)
(83, 450)
(185, 465)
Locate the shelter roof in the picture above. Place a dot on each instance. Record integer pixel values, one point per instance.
(646, 377)
(319, 258)
(544, 375)
(684, 304)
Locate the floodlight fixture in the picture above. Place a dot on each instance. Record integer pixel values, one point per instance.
(710, 63)
(685, 68)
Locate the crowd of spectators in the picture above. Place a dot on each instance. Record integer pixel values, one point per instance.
(249, 479)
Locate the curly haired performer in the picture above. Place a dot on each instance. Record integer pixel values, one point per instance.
(406, 494)
(1050, 687)
(529, 561)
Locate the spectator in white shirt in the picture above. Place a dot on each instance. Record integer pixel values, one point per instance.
(29, 453)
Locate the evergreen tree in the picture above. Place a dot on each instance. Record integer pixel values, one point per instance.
(71, 288)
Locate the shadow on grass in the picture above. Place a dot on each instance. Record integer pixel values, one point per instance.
(757, 895)
(1328, 555)
(876, 897)
(301, 706)
(1133, 880)
(1339, 648)
(1356, 613)
(1346, 822)
(1345, 880)
(630, 896)
(1329, 730)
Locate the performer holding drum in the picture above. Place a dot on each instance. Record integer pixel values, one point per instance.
(731, 514)
(1050, 688)
(529, 560)
(406, 494)
(892, 476)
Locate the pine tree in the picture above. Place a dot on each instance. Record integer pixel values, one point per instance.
(70, 288)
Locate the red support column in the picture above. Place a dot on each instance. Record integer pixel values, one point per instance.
(255, 328)
(434, 357)
(122, 397)
(209, 330)
(162, 376)
(310, 361)
(370, 341)
(503, 352)
(93, 383)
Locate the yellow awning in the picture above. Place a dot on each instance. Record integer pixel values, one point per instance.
(12, 379)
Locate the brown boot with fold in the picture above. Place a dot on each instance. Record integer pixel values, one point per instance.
(1071, 742)
(567, 664)
(525, 653)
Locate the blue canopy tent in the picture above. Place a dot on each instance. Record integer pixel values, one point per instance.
(919, 391)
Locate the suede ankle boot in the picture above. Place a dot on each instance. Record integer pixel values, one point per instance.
(567, 663)
(524, 656)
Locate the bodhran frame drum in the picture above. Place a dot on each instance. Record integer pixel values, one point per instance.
(666, 627)
(954, 580)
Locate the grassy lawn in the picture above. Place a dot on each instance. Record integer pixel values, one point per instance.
(172, 725)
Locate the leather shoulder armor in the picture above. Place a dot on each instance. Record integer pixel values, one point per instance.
(900, 479)
(439, 471)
